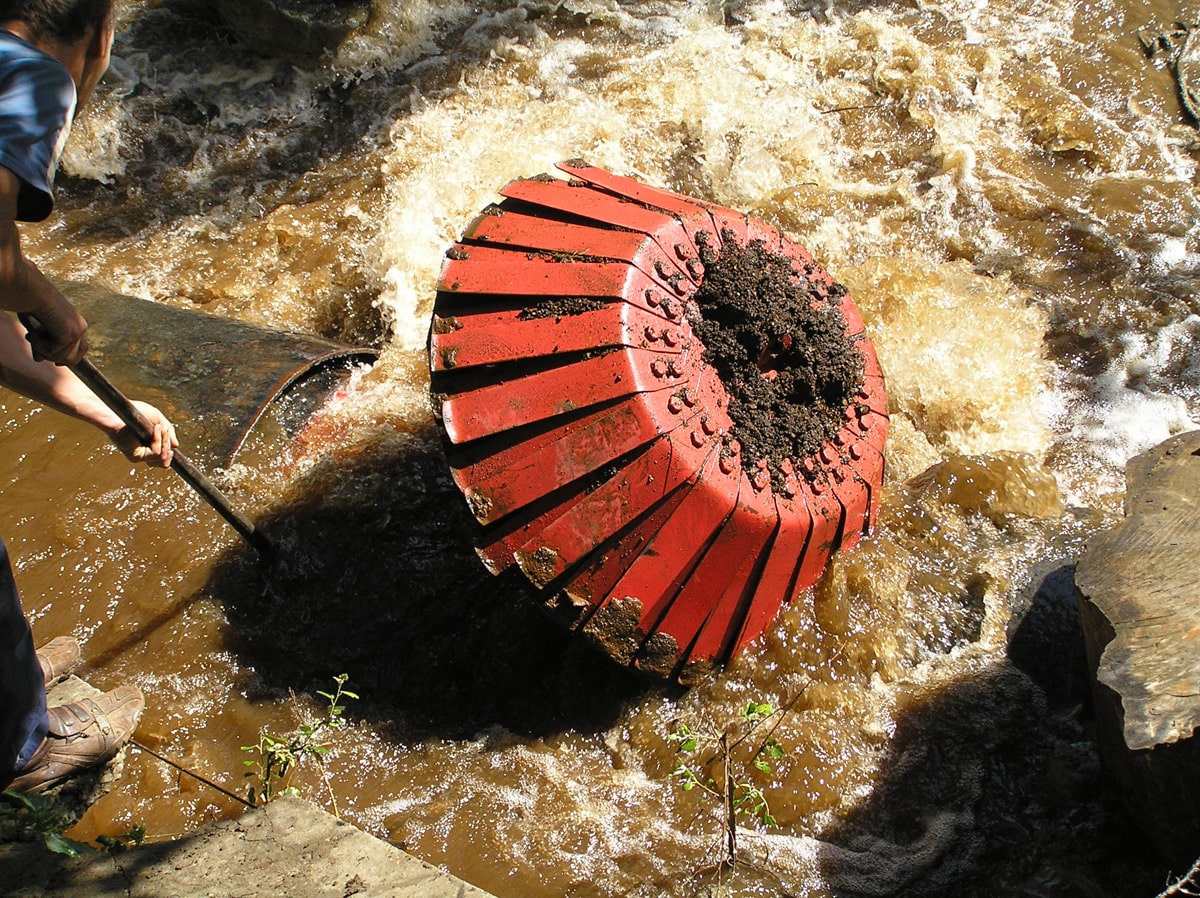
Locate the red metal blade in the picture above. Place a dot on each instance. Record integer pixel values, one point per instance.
(826, 514)
(581, 384)
(512, 335)
(593, 441)
(570, 240)
(761, 231)
(727, 579)
(692, 215)
(512, 478)
(654, 578)
(498, 272)
(503, 279)
(868, 466)
(593, 581)
(736, 224)
(606, 510)
(777, 585)
(854, 323)
(600, 208)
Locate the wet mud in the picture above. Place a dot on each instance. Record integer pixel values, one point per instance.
(614, 627)
(779, 343)
(559, 307)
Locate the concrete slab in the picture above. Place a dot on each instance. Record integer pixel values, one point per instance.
(286, 848)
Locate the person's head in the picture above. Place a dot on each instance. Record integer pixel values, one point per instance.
(78, 32)
(61, 21)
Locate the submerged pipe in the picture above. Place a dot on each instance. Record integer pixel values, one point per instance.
(214, 378)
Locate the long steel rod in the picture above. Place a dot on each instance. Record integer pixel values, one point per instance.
(125, 410)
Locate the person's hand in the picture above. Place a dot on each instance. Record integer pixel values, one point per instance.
(162, 447)
(57, 332)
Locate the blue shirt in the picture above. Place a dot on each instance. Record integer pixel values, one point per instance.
(37, 104)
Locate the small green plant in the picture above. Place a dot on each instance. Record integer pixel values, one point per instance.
(135, 835)
(702, 750)
(278, 757)
(27, 817)
(24, 817)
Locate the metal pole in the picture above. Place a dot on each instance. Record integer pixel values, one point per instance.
(125, 410)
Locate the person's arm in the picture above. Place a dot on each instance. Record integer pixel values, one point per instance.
(63, 341)
(60, 389)
(23, 287)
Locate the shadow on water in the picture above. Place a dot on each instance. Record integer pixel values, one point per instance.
(992, 785)
(377, 579)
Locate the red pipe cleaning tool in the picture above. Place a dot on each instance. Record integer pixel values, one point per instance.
(663, 411)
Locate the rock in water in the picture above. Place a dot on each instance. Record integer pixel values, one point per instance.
(1140, 602)
(301, 31)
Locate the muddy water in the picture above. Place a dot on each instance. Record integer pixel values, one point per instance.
(1006, 188)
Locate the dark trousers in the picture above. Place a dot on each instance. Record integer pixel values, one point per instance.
(23, 721)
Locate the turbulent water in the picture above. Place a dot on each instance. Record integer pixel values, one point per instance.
(1008, 190)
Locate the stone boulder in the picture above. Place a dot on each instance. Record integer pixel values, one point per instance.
(1139, 598)
(300, 31)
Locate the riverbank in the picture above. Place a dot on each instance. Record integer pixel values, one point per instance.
(288, 847)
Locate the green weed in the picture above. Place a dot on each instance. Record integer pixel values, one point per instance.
(708, 749)
(278, 757)
(32, 817)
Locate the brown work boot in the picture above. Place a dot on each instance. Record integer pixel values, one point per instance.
(83, 734)
(58, 657)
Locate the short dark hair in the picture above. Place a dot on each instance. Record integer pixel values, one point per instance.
(62, 20)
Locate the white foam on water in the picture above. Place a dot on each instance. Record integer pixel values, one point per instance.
(1150, 392)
